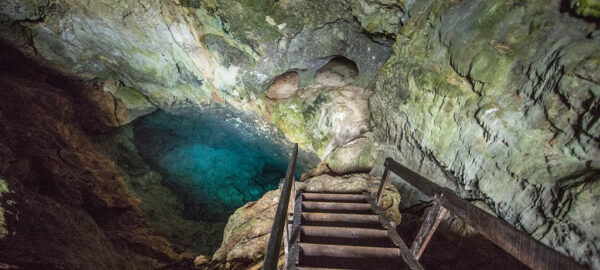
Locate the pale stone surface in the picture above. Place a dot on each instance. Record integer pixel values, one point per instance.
(322, 118)
(495, 101)
(284, 86)
(338, 72)
(247, 232)
(355, 156)
(130, 103)
(191, 53)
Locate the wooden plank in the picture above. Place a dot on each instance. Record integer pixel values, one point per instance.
(334, 219)
(405, 252)
(272, 253)
(432, 221)
(384, 179)
(342, 251)
(343, 232)
(529, 251)
(338, 206)
(338, 197)
(294, 253)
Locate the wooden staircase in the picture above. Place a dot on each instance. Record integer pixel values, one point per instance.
(340, 230)
(349, 231)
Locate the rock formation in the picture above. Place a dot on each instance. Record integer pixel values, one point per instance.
(499, 101)
(62, 203)
(496, 100)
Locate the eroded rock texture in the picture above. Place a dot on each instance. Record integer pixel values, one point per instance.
(498, 100)
(63, 205)
(189, 52)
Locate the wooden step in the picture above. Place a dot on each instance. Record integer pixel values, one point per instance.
(341, 220)
(333, 197)
(319, 268)
(353, 257)
(345, 236)
(342, 251)
(336, 207)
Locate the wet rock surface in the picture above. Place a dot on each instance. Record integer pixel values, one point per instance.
(491, 100)
(64, 204)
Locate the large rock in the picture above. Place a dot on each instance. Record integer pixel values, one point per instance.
(247, 231)
(499, 102)
(322, 118)
(356, 156)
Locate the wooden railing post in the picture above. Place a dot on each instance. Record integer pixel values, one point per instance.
(384, 179)
(280, 220)
(432, 221)
(523, 247)
(286, 233)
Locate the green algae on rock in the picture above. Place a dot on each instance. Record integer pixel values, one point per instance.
(3, 202)
(487, 93)
(190, 53)
(587, 8)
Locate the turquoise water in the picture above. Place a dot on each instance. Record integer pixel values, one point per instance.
(215, 161)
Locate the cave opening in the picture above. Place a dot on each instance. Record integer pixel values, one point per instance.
(337, 71)
(284, 85)
(215, 161)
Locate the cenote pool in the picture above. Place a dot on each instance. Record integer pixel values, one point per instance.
(216, 160)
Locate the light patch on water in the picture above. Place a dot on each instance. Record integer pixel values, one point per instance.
(215, 161)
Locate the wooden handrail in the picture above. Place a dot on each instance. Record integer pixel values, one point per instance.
(518, 244)
(272, 253)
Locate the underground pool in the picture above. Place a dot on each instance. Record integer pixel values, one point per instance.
(216, 160)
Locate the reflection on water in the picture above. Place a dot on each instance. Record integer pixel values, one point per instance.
(215, 161)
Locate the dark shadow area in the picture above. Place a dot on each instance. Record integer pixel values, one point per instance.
(450, 250)
(565, 7)
(337, 72)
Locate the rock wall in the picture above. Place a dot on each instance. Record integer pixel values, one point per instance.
(499, 101)
(191, 53)
(63, 205)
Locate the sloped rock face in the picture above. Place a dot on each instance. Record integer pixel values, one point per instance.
(63, 205)
(499, 101)
(190, 53)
